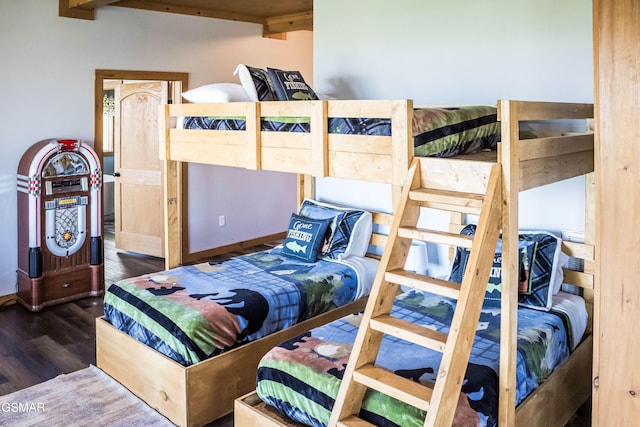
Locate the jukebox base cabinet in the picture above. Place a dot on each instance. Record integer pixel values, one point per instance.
(56, 288)
(59, 224)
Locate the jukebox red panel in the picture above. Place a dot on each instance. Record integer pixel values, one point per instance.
(59, 223)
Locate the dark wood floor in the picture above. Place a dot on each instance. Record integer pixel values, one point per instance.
(35, 347)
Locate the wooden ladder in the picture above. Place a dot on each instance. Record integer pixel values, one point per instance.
(439, 401)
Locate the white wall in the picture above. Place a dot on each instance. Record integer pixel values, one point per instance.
(47, 73)
(467, 52)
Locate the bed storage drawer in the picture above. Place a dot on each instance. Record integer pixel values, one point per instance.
(249, 410)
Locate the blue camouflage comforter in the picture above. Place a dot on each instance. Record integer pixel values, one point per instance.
(191, 313)
(301, 377)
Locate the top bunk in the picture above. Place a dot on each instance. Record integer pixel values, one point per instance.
(542, 142)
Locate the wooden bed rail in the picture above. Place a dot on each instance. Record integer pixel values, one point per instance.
(544, 160)
(316, 153)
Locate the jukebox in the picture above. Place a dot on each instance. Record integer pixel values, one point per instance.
(59, 224)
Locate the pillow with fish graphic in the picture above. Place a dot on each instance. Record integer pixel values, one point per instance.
(350, 228)
(305, 237)
(290, 85)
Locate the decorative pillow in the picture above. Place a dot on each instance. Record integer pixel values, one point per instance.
(350, 228)
(215, 93)
(305, 237)
(543, 271)
(538, 256)
(255, 82)
(290, 85)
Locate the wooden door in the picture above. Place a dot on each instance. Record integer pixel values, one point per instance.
(616, 383)
(138, 192)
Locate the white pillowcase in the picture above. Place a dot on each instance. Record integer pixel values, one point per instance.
(324, 96)
(255, 82)
(563, 260)
(216, 93)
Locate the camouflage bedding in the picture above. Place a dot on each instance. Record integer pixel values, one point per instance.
(191, 313)
(438, 132)
(301, 377)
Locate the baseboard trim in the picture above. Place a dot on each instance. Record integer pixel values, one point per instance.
(199, 256)
(8, 299)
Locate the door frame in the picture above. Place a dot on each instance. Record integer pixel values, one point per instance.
(183, 78)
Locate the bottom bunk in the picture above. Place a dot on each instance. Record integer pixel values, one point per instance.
(188, 340)
(301, 376)
(558, 398)
(200, 393)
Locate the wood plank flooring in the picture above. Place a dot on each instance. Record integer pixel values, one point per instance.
(36, 347)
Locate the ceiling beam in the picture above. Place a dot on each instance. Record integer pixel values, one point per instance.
(208, 13)
(72, 12)
(286, 23)
(274, 27)
(89, 4)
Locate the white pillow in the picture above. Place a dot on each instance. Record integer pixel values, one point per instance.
(324, 96)
(563, 260)
(255, 82)
(216, 93)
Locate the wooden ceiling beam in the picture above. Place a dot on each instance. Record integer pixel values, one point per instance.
(73, 12)
(273, 27)
(90, 4)
(208, 13)
(286, 23)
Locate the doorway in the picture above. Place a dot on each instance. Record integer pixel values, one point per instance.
(173, 84)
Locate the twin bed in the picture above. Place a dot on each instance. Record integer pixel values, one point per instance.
(301, 376)
(198, 383)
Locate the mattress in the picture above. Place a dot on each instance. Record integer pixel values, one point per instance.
(301, 377)
(437, 132)
(191, 313)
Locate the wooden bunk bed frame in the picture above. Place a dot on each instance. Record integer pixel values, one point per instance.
(182, 394)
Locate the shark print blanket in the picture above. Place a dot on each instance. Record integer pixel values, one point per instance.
(190, 313)
(301, 377)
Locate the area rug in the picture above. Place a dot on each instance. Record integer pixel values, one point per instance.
(88, 397)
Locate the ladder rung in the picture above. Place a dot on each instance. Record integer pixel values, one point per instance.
(435, 236)
(353, 421)
(405, 390)
(423, 283)
(452, 201)
(411, 332)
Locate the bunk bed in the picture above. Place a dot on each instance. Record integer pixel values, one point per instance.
(193, 389)
(525, 161)
(185, 394)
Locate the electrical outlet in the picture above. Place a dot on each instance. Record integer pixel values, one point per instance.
(221, 221)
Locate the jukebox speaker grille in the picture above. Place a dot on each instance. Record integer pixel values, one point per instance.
(65, 224)
(66, 227)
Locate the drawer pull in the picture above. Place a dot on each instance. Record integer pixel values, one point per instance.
(66, 285)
